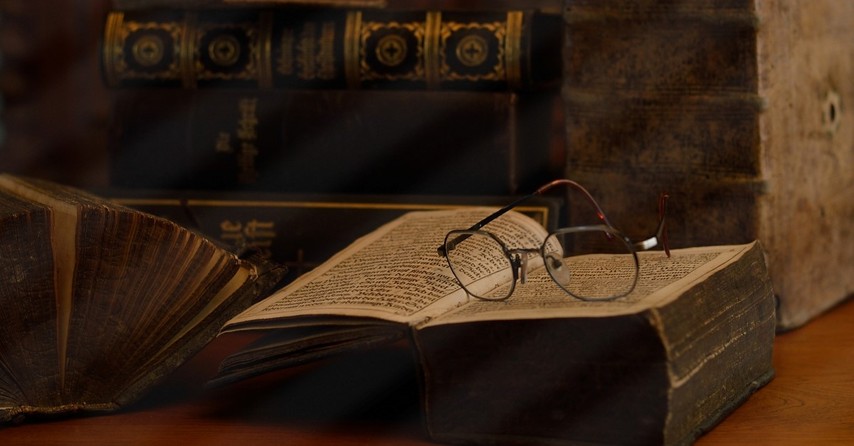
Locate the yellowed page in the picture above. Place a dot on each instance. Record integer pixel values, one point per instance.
(393, 273)
(661, 280)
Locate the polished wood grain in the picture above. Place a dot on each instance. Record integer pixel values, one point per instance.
(811, 399)
(371, 398)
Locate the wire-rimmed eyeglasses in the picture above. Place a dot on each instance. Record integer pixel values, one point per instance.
(590, 263)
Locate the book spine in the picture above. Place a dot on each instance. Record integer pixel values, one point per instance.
(666, 100)
(301, 231)
(331, 48)
(341, 142)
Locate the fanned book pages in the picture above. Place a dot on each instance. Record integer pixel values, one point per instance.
(660, 365)
(100, 301)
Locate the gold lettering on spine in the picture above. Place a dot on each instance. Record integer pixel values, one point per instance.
(223, 143)
(326, 52)
(246, 162)
(188, 50)
(352, 35)
(433, 27)
(265, 50)
(256, 234)
(513, 49)
(285, 64)
(306, 52)
(247, 134)
(315, 52)
(248, 123)
(112, 46)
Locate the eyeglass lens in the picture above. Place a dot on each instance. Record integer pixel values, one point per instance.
(591, 264)
(480, 265)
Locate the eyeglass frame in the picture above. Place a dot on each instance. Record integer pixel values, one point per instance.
(518, 257)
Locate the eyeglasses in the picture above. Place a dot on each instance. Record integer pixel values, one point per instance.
(590, 263)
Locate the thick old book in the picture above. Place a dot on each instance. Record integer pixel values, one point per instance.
(99, 302)
(660, 365)
(738, 110)
(338, 142)
(332, 48)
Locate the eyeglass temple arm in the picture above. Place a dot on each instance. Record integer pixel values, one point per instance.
(660, 233)
(599, 213)
(442, 248)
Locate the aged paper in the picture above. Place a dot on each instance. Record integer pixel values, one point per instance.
(393, 273)
(661, 279)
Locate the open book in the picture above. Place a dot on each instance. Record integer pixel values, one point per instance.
(691, 341)
(98, 302)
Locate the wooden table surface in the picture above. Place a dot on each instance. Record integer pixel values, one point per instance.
(348, 401)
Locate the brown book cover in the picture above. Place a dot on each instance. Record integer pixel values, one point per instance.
(334, 142)
(737, 109)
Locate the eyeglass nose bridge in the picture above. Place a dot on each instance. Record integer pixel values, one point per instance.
(519, 259)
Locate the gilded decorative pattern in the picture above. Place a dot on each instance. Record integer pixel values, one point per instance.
(285, 59)
(225, 50)
(473, 50)
(391, 50)
(432, 48)
(147, 51)
(370, 29)
(326, 52)
(315, 52)
(111, 47)
(208, 49)
(265, 52)
(306, 52)
(352, 48)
